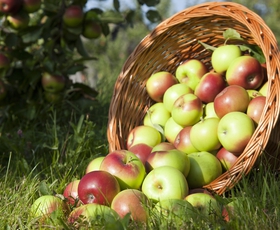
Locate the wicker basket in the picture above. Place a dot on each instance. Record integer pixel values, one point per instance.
(175, 40)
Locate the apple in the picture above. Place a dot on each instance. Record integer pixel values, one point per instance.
(223, 56)
(126, 167)
(204, 168)
(53, 97)
(209, 110)
(142, 151)
(158, 83)
(205, 203)
(98, 187)
(210, 85)
(226, 158)
(43, 207)
(10, 6)
(165, 182)
(157, 114)
(53, 82)
(4, 61)
(187, 110)
(174, 158)
(73, 16)
(3, 90)
(199, 190)
(19, 20)
(171, 130)
(71, 193)
(263, 89)
(245, 71)
(143, 134)
(163, 146)
(255, 108)
(182, 141)
(94, 164)
(190, 72)
(253, 93)
(93, 213)
(203, 135)
(232, 98)
(91, 29)
(31, 6)
(235, 130)
(133, 202)
(173, 93)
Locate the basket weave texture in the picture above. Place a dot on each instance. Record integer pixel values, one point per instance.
(175, 40)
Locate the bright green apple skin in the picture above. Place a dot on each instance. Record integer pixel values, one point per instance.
(91, 212)
(173, 93)
(253, 93)
(263, 89)
(91, 29)
(165, 182)
(235, 130)
(223, 56)
(255, 108)
(145, 135)
(19, 20)
(204, 136)
(209, 110)
(158, 83)
(245, 71)
(174, 158)
(126, 167)
(205, 168)
(187, 110)
(183, 141)
(163, 146)
(73, 16)
(157, 114)
(190, 72)
(171, 130)
(31, 6)
(94, 164)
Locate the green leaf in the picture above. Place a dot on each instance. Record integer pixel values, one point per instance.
(151, 2)
(129, 17)
(255, 51)
(105, 29)
(231, 34)
(117, 5)
(44, 189)
(80, 48)
(206, 46)
(111, 17)
(153, 16)
(11, 40)
(85, 89)
(33, 35)
(75, 68)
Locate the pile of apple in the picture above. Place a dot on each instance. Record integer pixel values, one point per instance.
(201, 121)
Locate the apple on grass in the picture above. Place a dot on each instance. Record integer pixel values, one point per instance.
(223, 56)
(174, 158)
(210, 85)
(235, 130)
(142, 151)
(98, 187)
(53, 83)
(255, 108)
(126, 167)
(158, 83)
(183, 142)
(133, 202)
(187, 110)
(173, 93)
(245, 71)
(31, 6)
(94, 164)
(190, 72)
(203, 135)
(226, 158)
(232, 98)
(143, 134)
(70, 193)
(165, 182)
(157, 114)
(73, 16)
(204, 168)
(171, 130)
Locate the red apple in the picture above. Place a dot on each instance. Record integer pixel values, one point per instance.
(226, 158)
(73, 16)
(133, 202)
(71, 193)
(255, 108)
(53, 83)
(91, 29)
(210, 85)
(98, 187)
(142, 151)
(183, 142)
(245, 71)
(230, 99)
(31, 6)
(126, 167)
(10, 6)
(158, 83)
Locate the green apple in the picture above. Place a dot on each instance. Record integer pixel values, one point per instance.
(18, 21)
(187, 110)
(53, 83)
(171, 130)
(173, 93)
(94, 164)
(73, 16)
(53, 97)
(157, 114)
(263, 89)
(91, 29)
(204, 136)
(158, 83)
(204, 168)
(143, 134)
(223, 56)
(253, 93)
(31, 6)
(209, 110)
(174, 158)
(163, 146)
(235, 130)
(183, 142)
(165, 182)
(190, 72)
